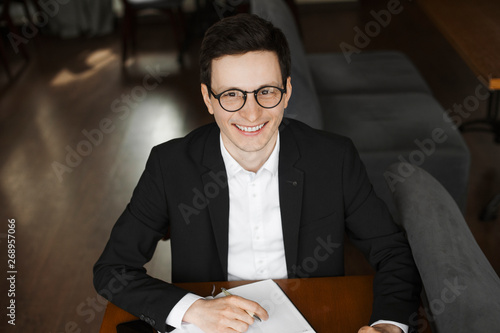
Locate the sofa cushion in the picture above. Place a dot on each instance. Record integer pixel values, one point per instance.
(368, 72)
(412, 127)
(304, 104)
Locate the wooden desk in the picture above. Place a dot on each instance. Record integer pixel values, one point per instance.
(473, 29)
(331, 304)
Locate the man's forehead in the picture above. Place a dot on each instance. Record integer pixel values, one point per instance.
(254, 68)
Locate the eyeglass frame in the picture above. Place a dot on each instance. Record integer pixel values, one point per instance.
(217, 96)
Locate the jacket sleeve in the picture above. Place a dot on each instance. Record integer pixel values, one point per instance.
(396, 285)
(119, 274)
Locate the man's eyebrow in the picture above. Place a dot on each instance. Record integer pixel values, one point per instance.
(272, 84)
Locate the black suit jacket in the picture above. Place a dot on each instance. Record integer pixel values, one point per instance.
(324, 193)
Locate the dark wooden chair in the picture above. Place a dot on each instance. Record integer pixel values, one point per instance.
(4, 60)
(173, 8)
(6, 19)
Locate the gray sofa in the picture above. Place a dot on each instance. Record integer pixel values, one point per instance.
(462, 290)
(381, 102)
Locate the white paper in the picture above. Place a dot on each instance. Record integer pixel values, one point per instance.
(283, 315)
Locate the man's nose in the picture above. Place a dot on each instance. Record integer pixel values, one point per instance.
(251, 110)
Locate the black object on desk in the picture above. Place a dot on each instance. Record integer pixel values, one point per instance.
(135, 326)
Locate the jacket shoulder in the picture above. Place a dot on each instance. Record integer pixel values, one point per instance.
(308, 137)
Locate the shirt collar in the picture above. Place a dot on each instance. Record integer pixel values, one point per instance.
(233, 167)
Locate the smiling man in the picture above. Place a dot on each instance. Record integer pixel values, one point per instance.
(251, 197)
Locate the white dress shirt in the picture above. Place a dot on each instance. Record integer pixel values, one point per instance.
(256, 250)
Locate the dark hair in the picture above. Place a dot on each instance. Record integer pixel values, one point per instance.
(240, 34)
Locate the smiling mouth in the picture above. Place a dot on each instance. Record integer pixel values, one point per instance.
(250, 129)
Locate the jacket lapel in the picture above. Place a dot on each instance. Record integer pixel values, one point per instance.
(291, 183)
(215, 182)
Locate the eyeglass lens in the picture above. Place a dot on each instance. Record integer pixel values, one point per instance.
(267, 97)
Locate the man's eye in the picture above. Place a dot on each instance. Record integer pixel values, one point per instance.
(230, 94)
(267, 91)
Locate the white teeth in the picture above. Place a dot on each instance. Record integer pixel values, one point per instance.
(250, 129)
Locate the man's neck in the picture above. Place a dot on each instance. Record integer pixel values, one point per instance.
(252, 161)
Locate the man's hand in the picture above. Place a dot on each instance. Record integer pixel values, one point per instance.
(225, 314)
(380, 328)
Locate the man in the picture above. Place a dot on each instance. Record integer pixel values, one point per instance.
(251, 197)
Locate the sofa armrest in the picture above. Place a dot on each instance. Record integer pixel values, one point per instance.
(462, 289)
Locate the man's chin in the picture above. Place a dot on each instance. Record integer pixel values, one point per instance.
(255, 147)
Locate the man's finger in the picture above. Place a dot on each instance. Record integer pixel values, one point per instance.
(380, 328)
(238, 324)
(250, 307)
(234, 312)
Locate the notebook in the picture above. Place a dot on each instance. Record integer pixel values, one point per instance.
(283, 315)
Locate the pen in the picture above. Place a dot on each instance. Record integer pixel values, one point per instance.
(251, 314)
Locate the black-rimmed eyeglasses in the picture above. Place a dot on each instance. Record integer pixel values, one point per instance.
(233, 100)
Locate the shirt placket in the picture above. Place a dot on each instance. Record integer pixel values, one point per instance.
(256, 219)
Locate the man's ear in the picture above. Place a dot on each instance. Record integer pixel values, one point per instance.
(206, 98)
(288, 90)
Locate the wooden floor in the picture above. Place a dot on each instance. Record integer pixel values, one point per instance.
(75, 132)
